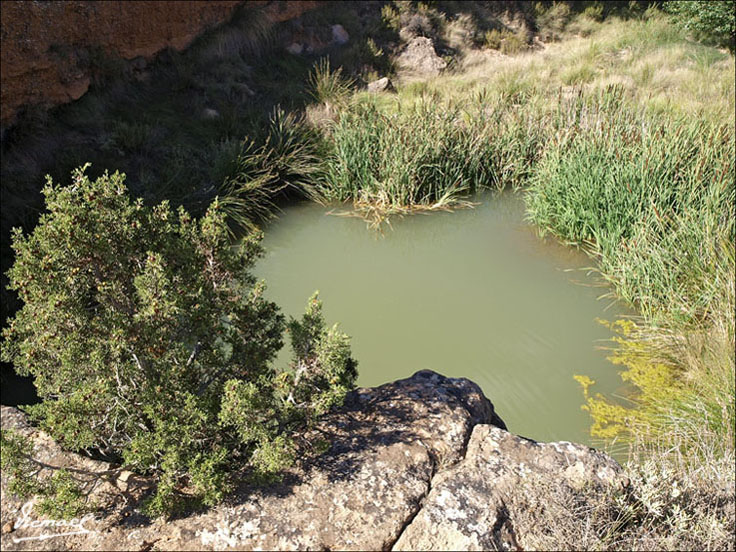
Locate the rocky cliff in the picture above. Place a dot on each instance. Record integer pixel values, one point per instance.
(422, 463)
(49, 48)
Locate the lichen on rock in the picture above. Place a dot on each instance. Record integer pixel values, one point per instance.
(420, 463)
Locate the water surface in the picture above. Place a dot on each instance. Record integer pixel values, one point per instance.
(474, 293)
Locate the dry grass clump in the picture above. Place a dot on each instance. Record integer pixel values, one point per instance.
(659, 508)
(658, 66)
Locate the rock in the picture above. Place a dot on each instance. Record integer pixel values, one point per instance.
(469, 506)
(46, 46)
(210, 114)
(421, 463)
(244, 89)
(339, 35)
(420, 58)
(295, 48)
(381, 85)
(386, 444)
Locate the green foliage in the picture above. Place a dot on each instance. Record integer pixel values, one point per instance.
(16, 461)
(509, 43)
(391, 17)
(426, 156)
(131, 137)
(594, 11)
(649, 194)
(287, 164)
(323, 369)
(140, 327)
(553, 20)
(327, 86)
(62, 495)
(711, 21)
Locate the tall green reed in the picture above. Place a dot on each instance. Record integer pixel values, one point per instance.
(652, 196)
(426, 155)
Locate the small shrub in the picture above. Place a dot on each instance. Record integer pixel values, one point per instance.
(594, 12)
(131, 137)
(659, 508)
(579, 74)
(552, 21)
(326, 86)
(583, 26)
(713, 22)
(149, 341)
(288, 164)
(509, 43)
(419, 24)
(391, 17)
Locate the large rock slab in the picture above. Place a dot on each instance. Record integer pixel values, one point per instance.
(422, 463)
(471, 505)
(387, 443)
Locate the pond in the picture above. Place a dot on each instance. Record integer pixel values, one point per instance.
(473, 293)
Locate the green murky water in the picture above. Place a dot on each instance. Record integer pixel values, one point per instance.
(474, 293)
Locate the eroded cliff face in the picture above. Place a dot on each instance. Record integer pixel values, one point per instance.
(48, 47)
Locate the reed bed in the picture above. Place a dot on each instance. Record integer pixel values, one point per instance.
(426, 156)
(652, 197)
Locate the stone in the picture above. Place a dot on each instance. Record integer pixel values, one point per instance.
(468, 507)
(381, 85)
(339, 35)
(420, 463)
(420, 58)
(244, 89)
(295, 48)
(210, 114)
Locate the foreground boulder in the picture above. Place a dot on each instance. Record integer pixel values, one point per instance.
(470, 506)
(420, 59)
(421, 463)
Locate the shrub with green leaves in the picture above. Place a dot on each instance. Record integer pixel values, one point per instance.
(150, 342)
(711, 21)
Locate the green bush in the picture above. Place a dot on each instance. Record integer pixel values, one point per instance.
(552, 21)
(149, 341)
(427, 156)
(594, 12)
(650, 194)
(328, 86)
(712, 21)
(253, 177)
(504, 40)
(391, 17)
